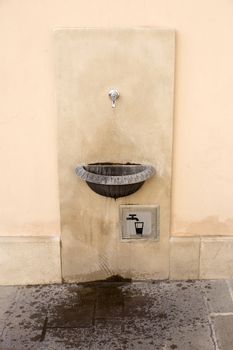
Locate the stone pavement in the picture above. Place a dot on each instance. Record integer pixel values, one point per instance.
(190, 315)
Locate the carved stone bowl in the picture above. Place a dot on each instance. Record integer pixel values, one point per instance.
(115, 180)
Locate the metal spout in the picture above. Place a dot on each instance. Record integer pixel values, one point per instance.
(113, 95)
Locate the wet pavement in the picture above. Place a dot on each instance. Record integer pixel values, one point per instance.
(190, 315)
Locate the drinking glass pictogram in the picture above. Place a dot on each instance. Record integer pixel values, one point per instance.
(139, 227)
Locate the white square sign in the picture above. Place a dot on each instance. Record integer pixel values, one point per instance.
(139, 221)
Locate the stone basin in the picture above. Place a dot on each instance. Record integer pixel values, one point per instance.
(113, 179)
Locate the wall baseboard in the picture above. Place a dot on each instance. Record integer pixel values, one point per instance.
(201, 257)
(30, 260)
(37, 259)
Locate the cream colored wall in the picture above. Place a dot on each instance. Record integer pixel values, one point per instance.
(203, 148)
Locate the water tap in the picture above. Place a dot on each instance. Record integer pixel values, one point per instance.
(114, 95)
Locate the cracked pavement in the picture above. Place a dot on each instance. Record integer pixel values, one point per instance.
(158, 315)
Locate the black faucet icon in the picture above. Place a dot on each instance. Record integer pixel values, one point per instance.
(138, 224)
(132, 217)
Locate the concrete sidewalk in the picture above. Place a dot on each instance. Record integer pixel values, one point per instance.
(192, 315)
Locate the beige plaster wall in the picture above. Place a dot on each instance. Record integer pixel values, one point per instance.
(203, 148)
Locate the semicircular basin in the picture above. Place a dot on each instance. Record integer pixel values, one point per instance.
(113, 179)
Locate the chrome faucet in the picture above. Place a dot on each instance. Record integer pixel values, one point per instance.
(114, 95)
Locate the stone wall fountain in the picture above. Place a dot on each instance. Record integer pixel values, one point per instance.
(115, 111)
(115, 180)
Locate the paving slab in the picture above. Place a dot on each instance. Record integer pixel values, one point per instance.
(109, 302)
(218, 296)
(223, 326)
(27, 317)
(176, 313)
(63, 338)
(230, 285)
(190, 338)
(8, 296)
